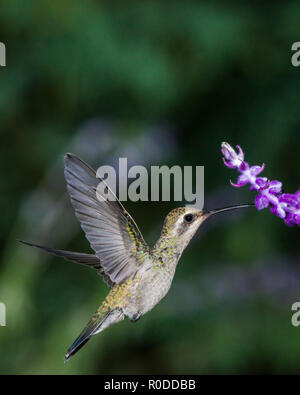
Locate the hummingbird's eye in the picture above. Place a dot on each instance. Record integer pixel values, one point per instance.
(188, 217)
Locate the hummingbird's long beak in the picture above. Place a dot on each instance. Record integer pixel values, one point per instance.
(219, 210)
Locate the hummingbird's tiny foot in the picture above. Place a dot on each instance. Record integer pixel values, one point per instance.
(135, 317)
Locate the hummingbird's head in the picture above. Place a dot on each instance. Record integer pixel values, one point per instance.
(183, 222)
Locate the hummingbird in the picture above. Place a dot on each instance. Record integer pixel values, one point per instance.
(138, 276)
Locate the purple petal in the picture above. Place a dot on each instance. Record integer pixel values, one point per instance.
(259, 184)
(278, 210)
(238, 185)
(288, 198)
(289, 220)
(261, 201)
(228, 164)
(228, 152)
(275, 187)
(240, 153)
(297, 219)
(255, 170)
(262, 182)
(225, 151)
(243, 166)
(243, 177)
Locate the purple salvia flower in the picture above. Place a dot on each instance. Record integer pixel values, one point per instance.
(284, 205)
(234, 159)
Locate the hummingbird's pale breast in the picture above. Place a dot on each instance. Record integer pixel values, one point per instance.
(153, 283)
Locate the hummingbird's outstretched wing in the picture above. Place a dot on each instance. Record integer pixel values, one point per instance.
(89, 260)
(110, 229)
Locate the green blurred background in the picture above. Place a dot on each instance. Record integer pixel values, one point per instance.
(159, 83)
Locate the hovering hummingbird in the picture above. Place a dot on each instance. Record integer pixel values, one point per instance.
(139, 276)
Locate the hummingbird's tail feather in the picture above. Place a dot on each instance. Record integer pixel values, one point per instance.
(78, 257)
(89, 260)
(99, 322)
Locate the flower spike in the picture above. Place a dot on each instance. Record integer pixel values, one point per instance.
(284, 205)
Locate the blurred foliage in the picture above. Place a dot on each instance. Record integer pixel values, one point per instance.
(211, 72)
